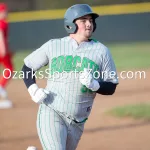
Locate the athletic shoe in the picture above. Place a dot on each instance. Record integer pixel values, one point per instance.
(5, 104)
(3, 93)
(31, 148)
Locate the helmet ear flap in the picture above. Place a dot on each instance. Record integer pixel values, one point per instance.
(76, 28)
(70, 27)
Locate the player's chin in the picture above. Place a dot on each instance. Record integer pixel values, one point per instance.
(88, 35)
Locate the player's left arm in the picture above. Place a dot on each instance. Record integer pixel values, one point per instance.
(100, 87)
(109, 79)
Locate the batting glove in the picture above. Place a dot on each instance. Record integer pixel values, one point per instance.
(87, 79)
(38, 95)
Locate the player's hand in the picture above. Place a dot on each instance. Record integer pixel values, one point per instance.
(87, 79)
(38, 95)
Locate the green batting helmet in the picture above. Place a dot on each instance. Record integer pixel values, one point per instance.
(75, 12)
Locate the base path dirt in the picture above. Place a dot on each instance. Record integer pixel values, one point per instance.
(102, 132)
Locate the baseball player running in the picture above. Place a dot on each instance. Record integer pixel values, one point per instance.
(76, 63)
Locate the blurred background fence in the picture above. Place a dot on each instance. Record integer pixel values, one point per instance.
(27, 5)
(33, 22)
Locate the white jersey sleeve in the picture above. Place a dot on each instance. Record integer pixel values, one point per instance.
(108, 68)
(39, 57)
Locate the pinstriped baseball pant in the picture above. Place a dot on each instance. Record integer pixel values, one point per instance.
(57, 132)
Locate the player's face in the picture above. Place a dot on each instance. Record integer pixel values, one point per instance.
(85, 26)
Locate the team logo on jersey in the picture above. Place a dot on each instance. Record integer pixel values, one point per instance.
(69, 63)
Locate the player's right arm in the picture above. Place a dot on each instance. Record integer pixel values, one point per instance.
(32, 63)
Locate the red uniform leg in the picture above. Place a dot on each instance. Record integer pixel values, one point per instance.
(7, 72)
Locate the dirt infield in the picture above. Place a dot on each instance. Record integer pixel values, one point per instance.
(18, 125)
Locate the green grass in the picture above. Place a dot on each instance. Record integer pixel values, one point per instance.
(126, 56)
(137, 111)
(18, 59)
(131, 55)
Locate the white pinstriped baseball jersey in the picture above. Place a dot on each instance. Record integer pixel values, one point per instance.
(66, 58)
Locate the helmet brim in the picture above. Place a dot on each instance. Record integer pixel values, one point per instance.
(94, 15)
